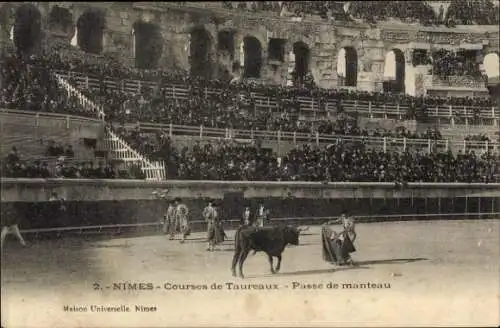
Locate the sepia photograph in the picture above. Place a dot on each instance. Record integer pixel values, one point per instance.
(250, 164)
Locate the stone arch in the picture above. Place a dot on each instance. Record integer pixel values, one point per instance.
(302, 62)
(27, 27)
(394, 71)
(200, 52)
(6, 20)
(147, 44)
(347, 67)
(491, 63)
(90, 31)
(252, 57)
(60, 21)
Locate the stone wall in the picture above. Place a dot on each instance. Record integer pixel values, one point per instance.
(125, 202)
(36, 190)
(31, 133)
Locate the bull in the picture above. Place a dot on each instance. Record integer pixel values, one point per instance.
(271, 240)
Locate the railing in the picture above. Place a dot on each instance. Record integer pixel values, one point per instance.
(84, 101)
(385, 143)
(235, 222)
(309, 107)
(61, 116)
(201, 132)
(123, 152)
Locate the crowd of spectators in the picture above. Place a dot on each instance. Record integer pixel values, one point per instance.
(467, 12)
(27, 85)
(323, 9)
(459, 12)
(407, 11)
(228, 160)
(450, 63)
(62, 166)
(341, 161)
(109, 69)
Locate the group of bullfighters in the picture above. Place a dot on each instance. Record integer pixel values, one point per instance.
(177, 221)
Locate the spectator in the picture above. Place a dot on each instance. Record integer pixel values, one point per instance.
(69, 153)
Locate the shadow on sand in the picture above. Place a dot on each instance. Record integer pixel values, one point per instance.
(321, 271)
(391, 261)
(360, 265)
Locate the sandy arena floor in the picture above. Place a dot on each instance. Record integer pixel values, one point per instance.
(440, 273)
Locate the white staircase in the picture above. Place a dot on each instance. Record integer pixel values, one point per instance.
(84, 101)
(122, 151)
(118, 148)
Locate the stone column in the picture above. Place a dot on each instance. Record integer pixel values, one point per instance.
(324, 64)
(214, 55)
(289, 64)
(265, 70)
(371, 67)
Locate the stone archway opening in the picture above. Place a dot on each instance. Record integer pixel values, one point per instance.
(491, 63)
(148, 45)
(60, 21)
(252, 57)
(302, 56)
(27, 30)
(90, 31)
(5, 24)
(347, 67)
(200, 53)
(394, 71)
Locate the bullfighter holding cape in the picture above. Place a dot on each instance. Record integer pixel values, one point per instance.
(337, 246)
(215, 232)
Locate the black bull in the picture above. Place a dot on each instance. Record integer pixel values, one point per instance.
(271, 240)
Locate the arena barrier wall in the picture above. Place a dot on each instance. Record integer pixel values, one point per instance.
(132, 203)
